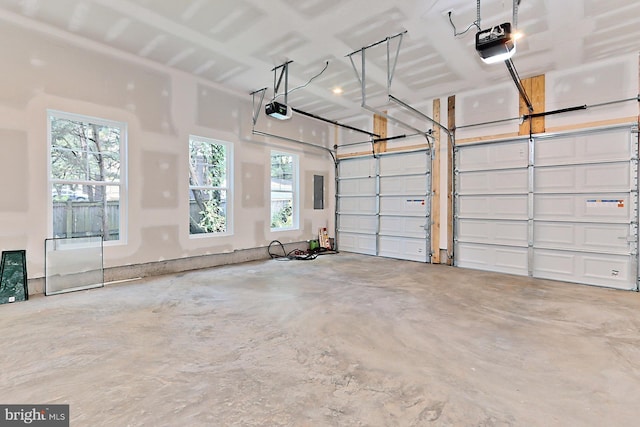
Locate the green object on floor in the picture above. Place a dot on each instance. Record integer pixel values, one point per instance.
(13, 277)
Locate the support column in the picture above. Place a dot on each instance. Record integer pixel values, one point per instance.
(380, 128)
(435, 186)
(451, 124)
(535, 89)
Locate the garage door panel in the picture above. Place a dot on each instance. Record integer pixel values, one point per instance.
(493, 182)
(584, 148)
(593, 269)
(404, 185)
(584, 178)
(492, 258)
(352, 168)
(496, 207)
(358, 187)
(383, 205)
(403, 248)
(512, 154)
(358, 205)
(610, 207)
(404, 164)
(408, 206)
(404, 226)
(611, 238)
(511, 233)
(358, 223)
(358, 243)
(575, 202)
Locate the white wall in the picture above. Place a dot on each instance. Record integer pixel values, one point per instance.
(593, 84)
(162, 108)
(590, 84)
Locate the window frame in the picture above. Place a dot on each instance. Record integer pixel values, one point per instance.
(295, 162)
(228, 188)
(122, 183)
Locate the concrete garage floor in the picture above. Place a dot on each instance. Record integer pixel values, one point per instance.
(344, 340)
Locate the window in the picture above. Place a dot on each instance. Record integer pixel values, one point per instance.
(209, 186)
(284, 201)
(86, 176)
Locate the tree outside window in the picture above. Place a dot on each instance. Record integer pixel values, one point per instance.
(85, 176)
(209, 208)
(283, 191)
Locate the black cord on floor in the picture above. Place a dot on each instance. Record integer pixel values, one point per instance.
(296, 254)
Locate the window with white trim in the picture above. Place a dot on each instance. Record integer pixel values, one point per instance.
(86, 176)
(284, 197)
(209, 186)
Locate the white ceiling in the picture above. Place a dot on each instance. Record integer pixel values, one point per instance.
(237, 42)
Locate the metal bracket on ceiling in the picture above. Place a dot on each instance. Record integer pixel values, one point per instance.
(257, 107)
(361, 75)
(390, 69)
(284, 72)
(255, 112)
(277, 81)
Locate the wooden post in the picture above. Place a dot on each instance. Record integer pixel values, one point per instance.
(435, 187)
(380, 128)
(535, 88)
(451, 124)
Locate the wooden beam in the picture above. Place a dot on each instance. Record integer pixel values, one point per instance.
(356, 154)
(408, 148)
(389, 150)
(599, 123)
(538, 99)
(435, 187)
(535, 88)
(451, 124)
(578, 126)
(488, 138)
(380, 128)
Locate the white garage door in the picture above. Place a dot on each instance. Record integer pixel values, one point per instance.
(384, 205)
(492, 220)
(358, 205)
(562, 207)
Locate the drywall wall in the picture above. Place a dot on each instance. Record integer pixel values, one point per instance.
(593, 84)
(489, 104)
(161, 108)
(14, 182)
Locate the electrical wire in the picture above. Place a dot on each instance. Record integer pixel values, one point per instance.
(455, 31)
(296, 254)
(326, 65)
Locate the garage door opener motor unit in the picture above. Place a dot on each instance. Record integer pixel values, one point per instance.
(495, 44)
(278, 111)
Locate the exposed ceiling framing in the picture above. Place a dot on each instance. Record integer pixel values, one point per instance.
(237, 42)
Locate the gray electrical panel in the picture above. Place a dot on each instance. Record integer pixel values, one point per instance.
(318, 192)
